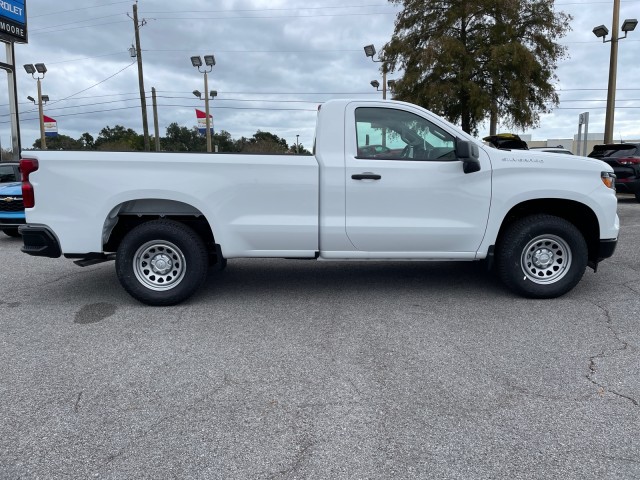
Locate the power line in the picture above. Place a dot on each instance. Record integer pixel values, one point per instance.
(56, 27)
(360, 14)
(59, 12)
(77, 28)
(96, 84)
(257, 10)
(377, 5)
(592, 89)
(172, 105)
(359, 50)
(271, 109)
(343, 50)
(174, 19)
(594, 108)
(110, 102)
(244, 100)
(595, 2)
(89, 58)
(78, 98)
(73, 23)
(279, 93)
(218, 99)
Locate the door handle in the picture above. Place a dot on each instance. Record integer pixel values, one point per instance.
(366, 176)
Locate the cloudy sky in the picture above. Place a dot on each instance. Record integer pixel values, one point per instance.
(276, 61)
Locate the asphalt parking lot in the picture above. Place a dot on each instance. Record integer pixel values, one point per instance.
(294, 369)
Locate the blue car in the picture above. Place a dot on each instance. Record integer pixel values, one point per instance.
(11, 208)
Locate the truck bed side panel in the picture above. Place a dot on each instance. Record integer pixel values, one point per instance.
(257, 205)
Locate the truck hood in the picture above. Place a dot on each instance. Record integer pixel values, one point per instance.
(533, 159)
(12, 188)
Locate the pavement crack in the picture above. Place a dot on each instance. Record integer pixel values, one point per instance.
(620, 459)
(76, 407)
(631, 286)
(163, 419)
(593, 360)
(303, 453)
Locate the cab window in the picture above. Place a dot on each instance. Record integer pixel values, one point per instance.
(390, 134)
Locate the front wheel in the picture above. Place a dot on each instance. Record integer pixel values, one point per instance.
(161, 262)
(542, 256)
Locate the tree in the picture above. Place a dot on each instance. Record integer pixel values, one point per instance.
(183, 139)
(224, 141)
(87, 141)
(60, 142)
(177, 139)
(299, 150)
(119, 138)
(262, 142)
(469, 60)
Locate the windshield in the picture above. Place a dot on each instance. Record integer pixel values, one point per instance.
(7, 174)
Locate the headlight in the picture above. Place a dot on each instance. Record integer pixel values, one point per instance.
(609, 179)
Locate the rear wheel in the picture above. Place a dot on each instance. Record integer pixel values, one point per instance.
(12, 232)
(542, 256)
(161, 262)
(638, 195)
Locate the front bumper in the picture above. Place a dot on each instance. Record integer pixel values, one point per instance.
(607, 247)
(11, 220)
(40, 241)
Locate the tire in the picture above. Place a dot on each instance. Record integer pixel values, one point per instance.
(541, 256)
(637, 195)
(12, 232)
(161, 262)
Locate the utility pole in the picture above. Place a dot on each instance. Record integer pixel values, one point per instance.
(206, 111)
(143, 100)
(613, 67)
(156, 129)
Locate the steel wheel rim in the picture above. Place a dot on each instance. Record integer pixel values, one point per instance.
(159, 265)
(546, 259)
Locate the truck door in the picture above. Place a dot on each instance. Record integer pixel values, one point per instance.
(406, 191)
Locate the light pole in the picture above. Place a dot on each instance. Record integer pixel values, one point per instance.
(41, 69)
(601, 32)
(370, 51)
(209, 61)
(390, 86)
(297, 145)
(213, 94)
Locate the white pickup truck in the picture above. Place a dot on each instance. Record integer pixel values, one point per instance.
(388, 181)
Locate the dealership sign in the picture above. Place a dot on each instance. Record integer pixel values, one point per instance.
(202, 122)
(13, 21)
(50, 126)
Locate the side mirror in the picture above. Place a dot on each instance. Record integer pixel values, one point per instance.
(469, 153)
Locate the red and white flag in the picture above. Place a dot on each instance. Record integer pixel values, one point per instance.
(202, 122)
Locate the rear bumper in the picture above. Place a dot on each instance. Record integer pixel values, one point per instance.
(628, 185)
(40, 241)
